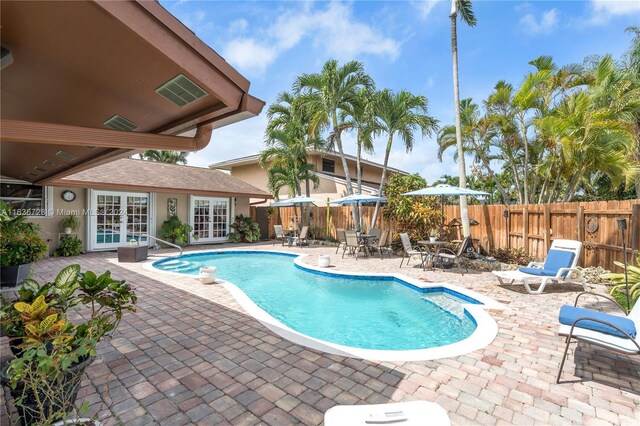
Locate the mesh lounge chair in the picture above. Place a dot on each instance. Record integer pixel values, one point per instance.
(561, 262)
(448, 256)
(409, 251)
(279, 234)
(380, 245)
(614, 332)
(302, 239)
(342, 239)
(353, 245)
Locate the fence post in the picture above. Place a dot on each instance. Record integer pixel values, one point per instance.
(635, 228)
(547, 226)
(580, 218)
(525, 228)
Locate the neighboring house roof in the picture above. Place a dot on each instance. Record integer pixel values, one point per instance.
(253, 159)
(342, 181)
(62, 84)
(128, 174)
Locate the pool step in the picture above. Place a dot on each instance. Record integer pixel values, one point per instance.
(446, 303)
(178, 266)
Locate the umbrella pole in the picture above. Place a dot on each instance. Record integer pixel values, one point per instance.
(442, 221)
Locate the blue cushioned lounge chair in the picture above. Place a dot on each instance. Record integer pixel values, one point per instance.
(615, 332)
(561, 262)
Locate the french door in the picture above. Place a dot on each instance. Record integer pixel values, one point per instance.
(118, 218)
(209, 218)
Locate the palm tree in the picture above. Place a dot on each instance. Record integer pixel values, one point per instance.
(466, 13)
(169, 157)
(400, 114)
(325, 95)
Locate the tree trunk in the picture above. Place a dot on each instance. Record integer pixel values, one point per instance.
(359, 178)
(308, 206)
(464, 210)
(487, 166)
(345, 166)
(382, 179)
(525, 168)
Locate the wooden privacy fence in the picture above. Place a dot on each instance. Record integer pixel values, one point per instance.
(533, 227)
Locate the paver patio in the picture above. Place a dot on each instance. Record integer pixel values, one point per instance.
(191, 355)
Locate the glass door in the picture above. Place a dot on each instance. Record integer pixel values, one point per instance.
(118, 218)
(210, 219)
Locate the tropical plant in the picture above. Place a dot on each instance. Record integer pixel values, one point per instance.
(413, 215)
(20, 242)
(326, 95)
(400, 114)
(464, 8)
(69, 246)
(620, 283)
(51, 352)
(168, 157)
(174, 231)
(245, 230)
(70, 221)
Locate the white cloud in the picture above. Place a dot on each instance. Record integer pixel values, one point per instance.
(425, 7)
(546, 24)
(238, 26)
(333, 30)
(249, 54)
(603, 10)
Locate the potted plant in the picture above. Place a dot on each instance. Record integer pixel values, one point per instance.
(20, 246)
(245, 230)
(51, 351)
(70, 223)
(174, 231)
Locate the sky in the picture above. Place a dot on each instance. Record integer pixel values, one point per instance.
(404, 45)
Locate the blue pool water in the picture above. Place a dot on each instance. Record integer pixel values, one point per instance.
(363, 312)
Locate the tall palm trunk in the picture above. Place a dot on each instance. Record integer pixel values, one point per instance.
(359, 178)
(525, 168)
(464, 210)
(382, 180)
(345, 166)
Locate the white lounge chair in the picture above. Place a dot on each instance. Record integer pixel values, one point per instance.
(414, 413)
(560, 264)
(615, 332)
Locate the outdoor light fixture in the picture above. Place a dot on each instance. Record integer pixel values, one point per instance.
(622, 226)
(505, 213)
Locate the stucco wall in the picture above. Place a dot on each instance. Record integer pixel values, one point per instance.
(161, 208)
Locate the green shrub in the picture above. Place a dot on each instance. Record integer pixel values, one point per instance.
(174, 231)
(19, 239)
(246, 230)
(69, 246)
(513, 256)
(619, 291)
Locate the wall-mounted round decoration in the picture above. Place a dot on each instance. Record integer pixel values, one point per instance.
(592, 224)
(68, 195)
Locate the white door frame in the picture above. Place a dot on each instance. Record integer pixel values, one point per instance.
(92, 231)
(192, 199)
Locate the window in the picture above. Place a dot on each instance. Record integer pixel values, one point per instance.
(328, 166)
(25, 198)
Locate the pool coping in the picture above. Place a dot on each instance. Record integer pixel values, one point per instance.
(485, 332)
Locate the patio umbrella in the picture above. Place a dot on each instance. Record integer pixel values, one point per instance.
(358, 199)
(444, 190)
(295, 201)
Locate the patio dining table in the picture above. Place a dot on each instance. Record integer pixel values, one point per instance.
(432, 250)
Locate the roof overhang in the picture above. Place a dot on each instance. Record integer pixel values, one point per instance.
(77, 64)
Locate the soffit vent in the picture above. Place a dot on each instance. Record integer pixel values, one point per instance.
(118, 122)
(181, 91)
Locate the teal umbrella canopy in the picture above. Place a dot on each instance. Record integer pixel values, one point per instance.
(289, 202)
(358, 198)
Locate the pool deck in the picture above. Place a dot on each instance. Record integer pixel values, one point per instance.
(183, 359)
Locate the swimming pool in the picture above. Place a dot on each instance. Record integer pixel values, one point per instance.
(372, 314)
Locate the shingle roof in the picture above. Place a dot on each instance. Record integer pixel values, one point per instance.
(140, 175)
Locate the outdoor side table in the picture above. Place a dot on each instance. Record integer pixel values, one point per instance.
(130, 254)
(433, 248)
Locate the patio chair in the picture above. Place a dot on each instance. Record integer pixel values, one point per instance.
(411, 413)
(342, 239)
(377, 233)
(560, 264)
(615, 332)
(380, 245)
(302, 239)
(279, 234)
(456, 258)
(353, 244)
(409, 251)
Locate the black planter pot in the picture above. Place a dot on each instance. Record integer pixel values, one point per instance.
(11, 276)
(28, 408)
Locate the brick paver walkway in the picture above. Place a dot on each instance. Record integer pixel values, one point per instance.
(191, 355)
